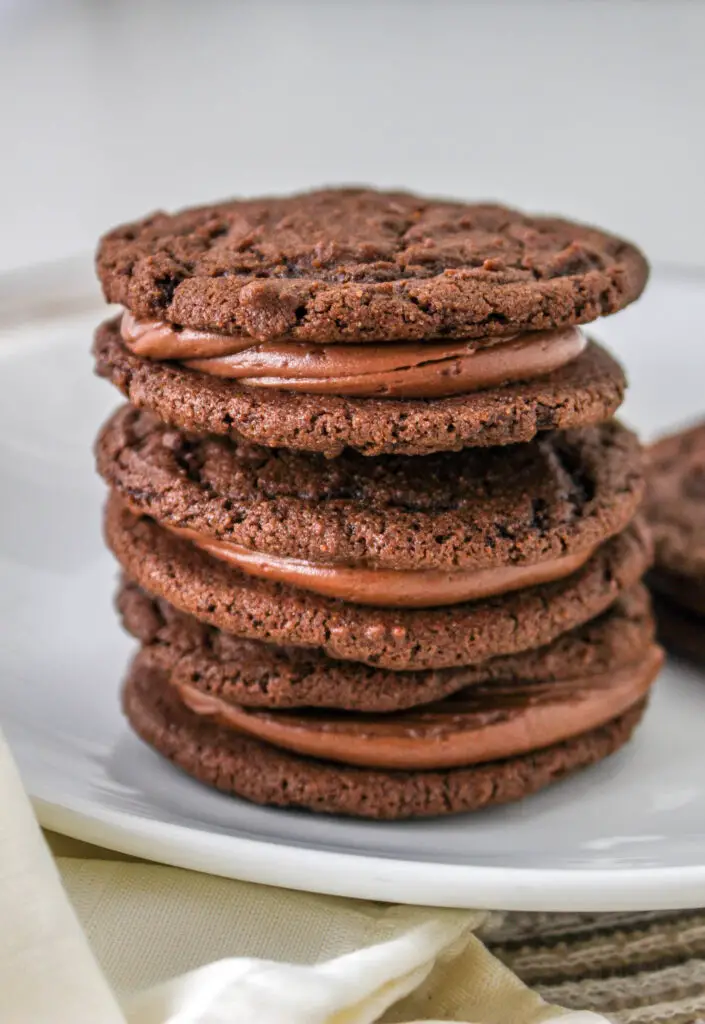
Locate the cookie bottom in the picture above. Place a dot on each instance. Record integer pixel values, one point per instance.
(263, 774)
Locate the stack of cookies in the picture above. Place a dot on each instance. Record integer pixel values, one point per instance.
(376, 522)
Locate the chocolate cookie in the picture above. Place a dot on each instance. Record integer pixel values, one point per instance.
(587, 390)
(565, 492)
(254, 674)
(675, 506)
(359, 265)
(264, 774)
(219, 595)
(679, 630)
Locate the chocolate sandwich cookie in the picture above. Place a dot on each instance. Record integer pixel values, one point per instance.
(586, 390)
(258, 675)
(384, 322)
(675, 507)
(214, 591)
(679, 630)
(356, 266)
(594, 721)
(405, 532)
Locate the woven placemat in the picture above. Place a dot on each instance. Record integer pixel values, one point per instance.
(634, 968)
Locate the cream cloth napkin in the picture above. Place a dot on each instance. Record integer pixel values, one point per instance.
(124, 942)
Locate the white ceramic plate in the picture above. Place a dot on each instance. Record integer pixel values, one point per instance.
(627, 834)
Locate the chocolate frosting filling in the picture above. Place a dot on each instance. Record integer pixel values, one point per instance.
(387, 588)
(481, 724)
(432, 369)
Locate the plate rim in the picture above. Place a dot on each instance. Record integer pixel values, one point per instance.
(335, 872)
(386, 879)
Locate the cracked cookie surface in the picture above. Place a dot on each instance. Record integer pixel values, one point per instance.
(478, 508)
(362, 265)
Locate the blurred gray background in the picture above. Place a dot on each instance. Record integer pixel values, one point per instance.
(590, 108)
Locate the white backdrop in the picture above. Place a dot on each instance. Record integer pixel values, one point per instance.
(590, 108)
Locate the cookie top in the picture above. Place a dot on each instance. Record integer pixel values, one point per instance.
(676, 502)
(400, 639)
(479, 508)
(360, 265)
(585, 391)
(259, 772)
(255, 674)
